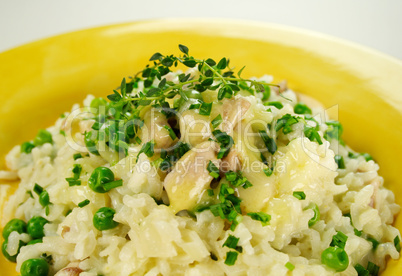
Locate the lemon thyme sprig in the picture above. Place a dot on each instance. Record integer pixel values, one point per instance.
(212, 76)
(117, 123)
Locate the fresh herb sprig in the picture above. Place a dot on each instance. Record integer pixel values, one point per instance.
(117, 122)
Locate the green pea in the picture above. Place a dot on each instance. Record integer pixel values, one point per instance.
(14, 225)
(5, 253)
(35, 267)
(35, 227)
(102, 180)
(103, 219)
(44, 198)
(90, 140)
(97, 103)
(336, 258)
(35, 241)
(43, 137)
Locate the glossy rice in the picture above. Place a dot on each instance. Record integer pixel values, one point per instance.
(155, 238)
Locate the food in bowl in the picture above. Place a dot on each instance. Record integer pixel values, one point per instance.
(195, 173)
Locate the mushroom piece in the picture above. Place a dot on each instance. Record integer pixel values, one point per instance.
(71, 269)
(233, 111)
(154, 129)
(194, 128)
(231, 162)
(189, 179)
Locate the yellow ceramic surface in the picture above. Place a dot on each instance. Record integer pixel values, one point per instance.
(40, 80)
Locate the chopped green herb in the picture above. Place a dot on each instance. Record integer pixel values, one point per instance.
(268, 141)
(73, 182)
(231, 257)
(397, 243)
(217, 210)
(83, 203)
(316, 216)
(312, 134)
(77, 168)
(231, 242)
(357, 232)
(210, 192)
(260, 216)
(90, 140)
(268, 171)
(278, 105)
(237, 179)
(172, 156)
(301, 108)
(372, 268)
(148, 149)
(361, 271)
(37, 189)
(374, 242)
(231, 176)
(217, 121)
(213, 170)
(339, 161)
(225, 141)
(339, 240)
(205, 109)
(289, 266)
(334, 131)
(229, 206)
(285, 123)
(77, 156)
(299, 195)
(171, 132)
(366, 156)
(62, 132)
(138, 140)
(194, 106)
(27, 147)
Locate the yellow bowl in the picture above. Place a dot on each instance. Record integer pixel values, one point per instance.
(42, 79)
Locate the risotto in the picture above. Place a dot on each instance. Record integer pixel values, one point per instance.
(196, 173)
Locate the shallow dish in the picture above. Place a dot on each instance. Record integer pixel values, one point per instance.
(44, 78)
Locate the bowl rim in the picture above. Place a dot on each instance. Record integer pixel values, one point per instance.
(176, 23)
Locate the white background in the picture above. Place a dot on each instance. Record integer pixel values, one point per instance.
(373, 23)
